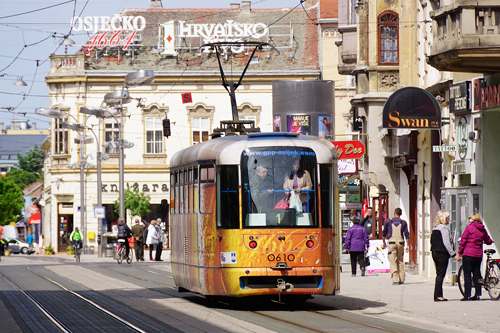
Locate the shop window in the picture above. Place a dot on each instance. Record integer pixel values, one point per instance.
(388, 38)
(154, 135)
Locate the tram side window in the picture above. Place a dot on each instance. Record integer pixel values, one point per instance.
(207, 189)
(326, 181)
(191, 201)
(173, 195)
(181, 193)
(186, 193)
(195, 192)
(227, 197)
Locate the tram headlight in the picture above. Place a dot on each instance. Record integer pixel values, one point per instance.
(252, 244)
(309, 243)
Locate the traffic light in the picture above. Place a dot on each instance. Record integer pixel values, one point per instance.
(166, 127)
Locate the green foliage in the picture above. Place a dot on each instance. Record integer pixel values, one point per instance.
(21, 178)
(136, 201)
(32, 162)
(11, 201)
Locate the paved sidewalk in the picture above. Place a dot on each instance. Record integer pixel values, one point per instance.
(413, 303)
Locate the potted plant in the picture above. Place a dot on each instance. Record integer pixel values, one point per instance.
(70, 249)
(49, 250)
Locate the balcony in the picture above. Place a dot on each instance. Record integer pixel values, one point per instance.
(466, 37)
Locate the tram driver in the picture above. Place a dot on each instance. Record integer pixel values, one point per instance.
(261, 190)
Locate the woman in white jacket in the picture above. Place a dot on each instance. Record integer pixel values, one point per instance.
(152, 239)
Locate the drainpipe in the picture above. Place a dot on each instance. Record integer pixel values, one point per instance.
(423, 216)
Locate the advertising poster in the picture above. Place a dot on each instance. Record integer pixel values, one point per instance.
(325, 126)
(299, 124)
(277, 124)
(379, 261)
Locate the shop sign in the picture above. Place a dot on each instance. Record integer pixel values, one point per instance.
(136, 187)
(35, 219)
(462, 137)
(460, 97)
(349, 149)
(443, 149)
(229, 31)
(402, 161)
(347, 167)
(412, 108)
(461, 167)
(485, 96)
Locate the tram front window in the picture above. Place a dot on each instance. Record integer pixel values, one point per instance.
(269, 177)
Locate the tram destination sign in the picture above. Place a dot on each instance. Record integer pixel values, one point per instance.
(441, 149)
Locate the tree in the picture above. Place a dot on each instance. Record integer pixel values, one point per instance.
(21, 178)
(11, 201)
(32, 162)
(138, 203)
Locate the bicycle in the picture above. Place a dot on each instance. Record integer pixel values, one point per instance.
(121, 250)
(77, 247)
(491, 281)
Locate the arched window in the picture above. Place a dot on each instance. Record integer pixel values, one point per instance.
(388, 23)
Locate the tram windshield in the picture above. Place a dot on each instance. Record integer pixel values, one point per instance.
(279, 187)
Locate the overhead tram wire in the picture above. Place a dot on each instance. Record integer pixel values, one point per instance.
(37, 10)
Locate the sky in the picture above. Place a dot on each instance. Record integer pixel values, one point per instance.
(31, 30)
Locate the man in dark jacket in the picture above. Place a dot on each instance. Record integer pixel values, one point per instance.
(124, 232)
(138, 231)
(367, 221)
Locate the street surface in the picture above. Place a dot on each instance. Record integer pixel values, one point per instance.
(54, 294)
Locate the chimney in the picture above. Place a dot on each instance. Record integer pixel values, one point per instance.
(245, 7)
(156, 4)
(235, 6)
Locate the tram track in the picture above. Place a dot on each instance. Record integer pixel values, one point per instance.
(369, 327)
(59, 321)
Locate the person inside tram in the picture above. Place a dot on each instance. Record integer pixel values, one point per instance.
(299, 180)
(261, 189)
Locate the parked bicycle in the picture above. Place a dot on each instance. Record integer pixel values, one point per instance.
(491, 280)
(121, 252)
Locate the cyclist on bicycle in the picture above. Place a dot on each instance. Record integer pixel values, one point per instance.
(76, 238)
(124, 232)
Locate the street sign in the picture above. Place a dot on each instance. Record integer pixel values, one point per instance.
(99, 212)
(440, 149)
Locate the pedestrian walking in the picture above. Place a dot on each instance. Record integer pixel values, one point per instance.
(152, 239)
(471, 251)
(356, 244)
(367, 221)
(396, 232)
(161, 238)
(442, 250)
(138, 231)
(30, 240)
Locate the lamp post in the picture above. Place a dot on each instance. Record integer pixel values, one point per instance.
(117, 99)
(82, 139)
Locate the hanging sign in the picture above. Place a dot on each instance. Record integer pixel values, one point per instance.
(460, 97)
(412, 108)
(349, 149)
(187, 98)
(35, 219)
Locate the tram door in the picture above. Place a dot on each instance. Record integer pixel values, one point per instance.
(460, 202)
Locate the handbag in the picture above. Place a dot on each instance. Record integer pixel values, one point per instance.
(282, 204)
(367, 261)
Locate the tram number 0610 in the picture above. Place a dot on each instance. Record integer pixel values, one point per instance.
(281, 257)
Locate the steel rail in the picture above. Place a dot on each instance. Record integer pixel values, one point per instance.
(95, 305)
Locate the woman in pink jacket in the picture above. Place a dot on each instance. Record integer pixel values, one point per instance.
(471, 250)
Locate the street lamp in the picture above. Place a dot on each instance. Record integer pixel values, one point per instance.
(117, 98)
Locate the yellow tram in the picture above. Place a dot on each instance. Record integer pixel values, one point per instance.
(237, 231)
